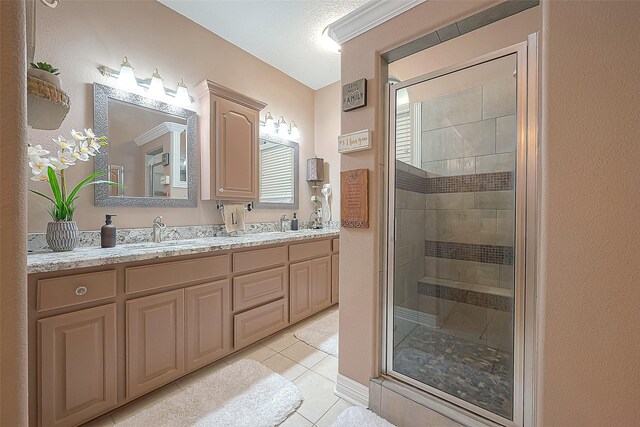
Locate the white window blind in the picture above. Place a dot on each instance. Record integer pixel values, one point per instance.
(276, 173)
(404, 149)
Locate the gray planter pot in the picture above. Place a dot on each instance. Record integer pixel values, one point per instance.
(62, 236)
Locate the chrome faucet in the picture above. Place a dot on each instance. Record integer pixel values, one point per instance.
(283, 223)
(158, 228)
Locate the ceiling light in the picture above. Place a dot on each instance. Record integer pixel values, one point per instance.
(126, 78)
(294, 131)
(182, 94)
(156, 87)
(329, 43)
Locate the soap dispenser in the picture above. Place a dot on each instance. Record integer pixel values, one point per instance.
(108, 233)
(294, 222)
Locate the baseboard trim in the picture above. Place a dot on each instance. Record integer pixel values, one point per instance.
(352, 391)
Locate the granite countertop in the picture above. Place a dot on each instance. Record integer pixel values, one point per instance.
(46, 261)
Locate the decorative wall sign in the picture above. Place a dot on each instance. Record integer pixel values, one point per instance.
(354, 141)
(354, 95)
(354, 198)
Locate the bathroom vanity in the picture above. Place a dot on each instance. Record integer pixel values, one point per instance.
(108, 325)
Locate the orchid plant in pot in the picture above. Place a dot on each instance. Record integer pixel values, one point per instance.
(62, 232)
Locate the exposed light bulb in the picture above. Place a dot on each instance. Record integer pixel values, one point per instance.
(282, 128)
(156, 87)
(126, 78)
(182, 94)
(294, 131)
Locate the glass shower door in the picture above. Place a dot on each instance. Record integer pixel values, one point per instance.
(455, 295)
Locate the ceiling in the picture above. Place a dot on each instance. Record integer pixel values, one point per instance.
(286, 34)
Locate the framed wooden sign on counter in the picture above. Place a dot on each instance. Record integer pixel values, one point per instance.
(354, 198)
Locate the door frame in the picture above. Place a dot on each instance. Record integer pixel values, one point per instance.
(526, 250)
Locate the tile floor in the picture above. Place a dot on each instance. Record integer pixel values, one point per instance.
(312, 371)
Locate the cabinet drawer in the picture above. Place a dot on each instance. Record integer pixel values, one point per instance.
(71, 290)
(258, 323)
(262, 258)
(146, 277)
(309, 250)
(336, 245)
(254, 289)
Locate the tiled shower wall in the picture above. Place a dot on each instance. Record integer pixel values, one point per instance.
(468, 152)
(410, 212)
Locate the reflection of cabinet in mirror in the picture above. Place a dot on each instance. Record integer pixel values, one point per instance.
(229, 133)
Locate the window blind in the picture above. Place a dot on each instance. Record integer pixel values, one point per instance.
(404, 149)
(276, 174)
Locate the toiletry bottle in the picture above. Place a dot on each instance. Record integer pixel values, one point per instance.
(294, 223)
(108, 233)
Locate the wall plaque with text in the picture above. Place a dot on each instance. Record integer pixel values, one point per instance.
(354, 95)
(355, 141)
(354, 198)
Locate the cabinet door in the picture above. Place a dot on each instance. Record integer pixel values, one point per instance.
(299, 291)
(77, 358)
(236, 151)
(335, 277)
(320, 283)
(155, 341)
(208, 329)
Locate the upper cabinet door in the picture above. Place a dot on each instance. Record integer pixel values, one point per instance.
(229, 128)
(236, 159)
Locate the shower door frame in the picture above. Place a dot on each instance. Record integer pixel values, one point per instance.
(526, 233)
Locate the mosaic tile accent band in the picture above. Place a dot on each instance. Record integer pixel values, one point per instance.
(479, 299)
(490, 254)
(495, 181)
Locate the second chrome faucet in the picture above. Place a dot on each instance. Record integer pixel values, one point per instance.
(158, 229)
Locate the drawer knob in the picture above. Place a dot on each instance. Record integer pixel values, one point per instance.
(81, 290)
(221, 190)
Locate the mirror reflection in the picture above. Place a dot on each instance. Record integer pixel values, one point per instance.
(278, 173)
(147, 152)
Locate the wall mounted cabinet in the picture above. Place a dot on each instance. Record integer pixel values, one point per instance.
(229, 131)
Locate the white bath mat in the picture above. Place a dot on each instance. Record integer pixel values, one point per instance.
(361, 417)
(322, 334)
(243, 394)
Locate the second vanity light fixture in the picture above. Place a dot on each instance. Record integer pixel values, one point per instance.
(280, 127)
(154, 86)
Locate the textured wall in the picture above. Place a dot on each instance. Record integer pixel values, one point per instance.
(13, 243)
(589, 367)
(152, 35)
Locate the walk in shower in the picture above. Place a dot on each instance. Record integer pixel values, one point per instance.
(456, 238)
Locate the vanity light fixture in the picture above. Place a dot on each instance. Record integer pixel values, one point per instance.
(294, 132)
(152, 87)
(182, 94)
(282, 128)
(126, 77)
(156, 87)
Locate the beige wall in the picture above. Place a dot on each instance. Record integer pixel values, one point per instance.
(589, 364)
(13, 250)
(360, 301)
(327, 108)
(79, 36)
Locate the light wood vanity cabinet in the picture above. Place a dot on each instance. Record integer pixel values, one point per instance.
(101, 337)
(77, 354)
(155, 341)
(229, 129)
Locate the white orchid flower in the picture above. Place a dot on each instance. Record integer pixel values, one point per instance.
(94, 147)
(65, 158)
(64, 144)
(39, 165)
(78, 136)
(57, 164)
(40, 178)
(81, 154)
(89, 133)
(37, 151)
